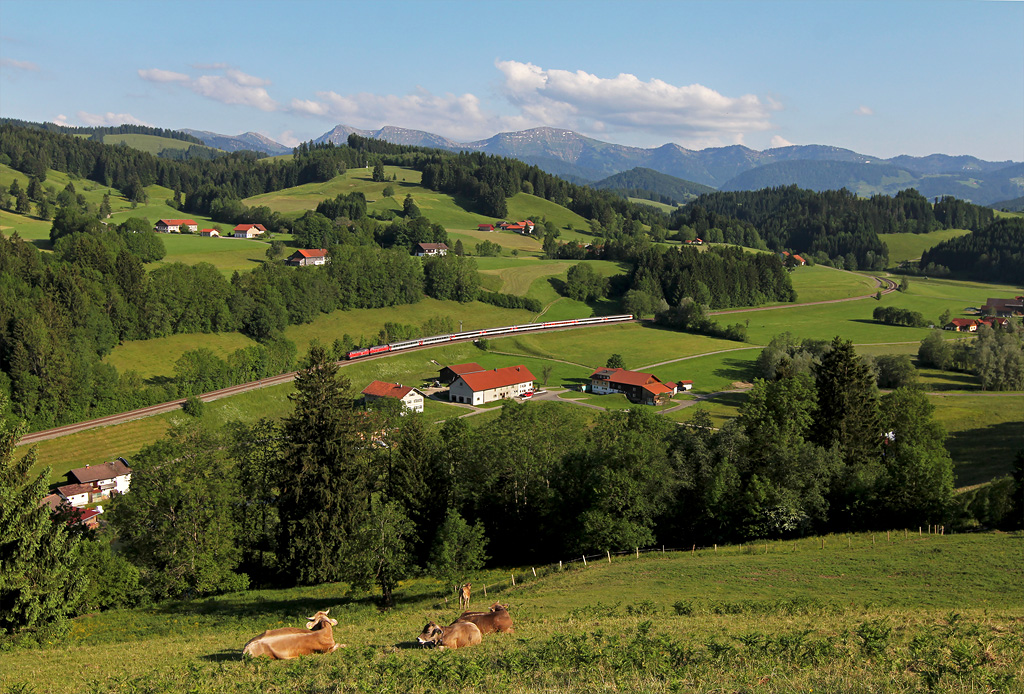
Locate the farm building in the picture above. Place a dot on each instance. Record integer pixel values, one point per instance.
(249, 231)
(308, 256)
(1004, 307)
(448, 374)
(94, 482)
(639, 387)
(209, 232)
(487, 386)
(485, 227)
(796, 258)
(408, 396)
(422, 249)
(171, 226)
(962, 325)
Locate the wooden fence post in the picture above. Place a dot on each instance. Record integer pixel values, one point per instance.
(559, 564)
(609, 555)
(485, 591)
(637, 552)
(513, 578)
(823, 542)
(716, 547)
(534, 571)
(584, 560)
(693, 550)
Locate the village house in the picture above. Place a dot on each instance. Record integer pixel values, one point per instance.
(249, 231)
(962, 325)
(693, 242)
(485, 227)
(308, 256)
(408, 396)
(423, 249)
(174, 226)
(487, 386)
(448, 374)
(994, 322)
(796, 258)
(91, 483)
(642, 388)
(209, 232)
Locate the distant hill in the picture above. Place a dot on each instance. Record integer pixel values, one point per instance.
(819, 167)
(649, 184)
(234, 143)
(1015, 205)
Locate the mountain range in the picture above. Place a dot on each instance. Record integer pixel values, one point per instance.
(583, 159)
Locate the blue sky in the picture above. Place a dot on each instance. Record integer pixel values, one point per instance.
(881, 78)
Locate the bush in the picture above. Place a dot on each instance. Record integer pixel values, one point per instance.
(193, 406)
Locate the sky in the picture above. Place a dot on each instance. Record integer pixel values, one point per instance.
(882, 78)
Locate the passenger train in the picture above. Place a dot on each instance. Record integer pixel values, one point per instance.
(489, 332)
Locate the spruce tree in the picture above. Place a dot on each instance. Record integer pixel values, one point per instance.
(325, 477)
(41, 581)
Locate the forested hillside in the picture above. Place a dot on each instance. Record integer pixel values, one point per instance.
(649, 184)
(994, 254)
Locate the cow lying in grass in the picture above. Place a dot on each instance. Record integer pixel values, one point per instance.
(292, 642)
(498, 620)
(456, 635)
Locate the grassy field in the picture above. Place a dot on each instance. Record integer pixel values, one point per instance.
(911, 246)
(151, 143)
(985, 433)
(859, 613)
(227, 254)
(822, 283)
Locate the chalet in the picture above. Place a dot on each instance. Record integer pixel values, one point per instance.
(93, 482)
(962, 325)
(410, 397)
(485, 227)
(639, 387)
(209, 232)
(693, 242)
(308, 256)
(487, 386)
(1004, 308)
(798, 260)
(171, 226)
(528, 226)
(423, 249)
(448, 374)
(995, 321)
(249, 231)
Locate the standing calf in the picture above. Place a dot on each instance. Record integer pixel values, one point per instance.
(464, 595)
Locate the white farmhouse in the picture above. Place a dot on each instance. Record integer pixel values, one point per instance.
(487, 386)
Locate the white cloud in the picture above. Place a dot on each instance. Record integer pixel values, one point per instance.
(19, 64)
(287, 138)
(157, 75)
(780, 141)
(864, 111)
(233, 87)
(583, 101)
(83, 118)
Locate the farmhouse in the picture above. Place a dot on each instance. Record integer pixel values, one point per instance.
(448, 374)
(410, 397)
(693, 242)
(1004, 307)
(796, 258)
(485, 227)
(249, 231)
(209, 232)
(308, 256)
(93, 482)
(169, 226)
(639, 387)
(487, 386)
(422, 249)
(995, 321)
(962, 325)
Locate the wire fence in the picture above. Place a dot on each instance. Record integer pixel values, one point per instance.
(522, 576)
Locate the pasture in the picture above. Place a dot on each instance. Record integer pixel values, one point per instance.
(910, 246)
(227, 254)
(151, 143)
(852, 613)
(823, 283)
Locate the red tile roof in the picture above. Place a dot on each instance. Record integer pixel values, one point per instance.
(383, 389)
(177, 222)
(498, 378)
(312, 252)
(487, 227)
(432, 246)
(103, 471)
(963, 322)
(247, 227)
(648, 382)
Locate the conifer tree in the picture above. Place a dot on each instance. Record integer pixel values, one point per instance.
(41, 582)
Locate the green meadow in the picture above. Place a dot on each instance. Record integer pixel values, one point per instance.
(910, 246)
(893, 612)
(823, 283)
(151, 143)
(227, 254)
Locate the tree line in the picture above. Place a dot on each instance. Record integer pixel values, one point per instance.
(994, 253)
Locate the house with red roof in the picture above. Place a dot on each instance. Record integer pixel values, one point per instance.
(91, 483)
(1004, 307)
(482, 387)
(308, 256)
(962, 325)
(796, 258)
(426, 249)
(174, 226)
(213, 233)
(449, 373)
(639, 387)
(485, 227)
(408, 396)
(249, 231)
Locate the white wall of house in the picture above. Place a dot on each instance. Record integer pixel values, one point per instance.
(461, 392)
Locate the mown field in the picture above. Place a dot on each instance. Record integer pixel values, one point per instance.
(893, 613)
(150, 143)
(911, 246)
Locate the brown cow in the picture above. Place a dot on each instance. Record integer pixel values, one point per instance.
(457, 635)
(292, 642)
(498, 620)
(464, 595)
